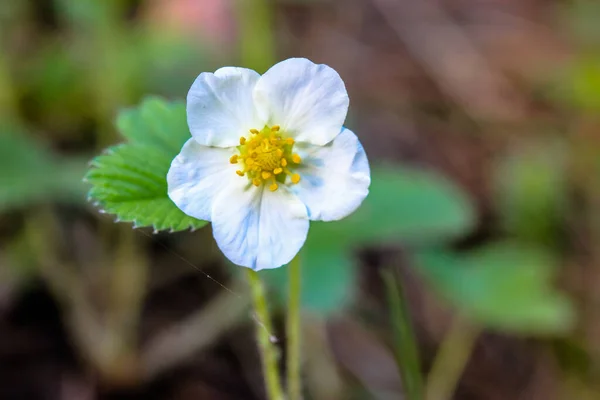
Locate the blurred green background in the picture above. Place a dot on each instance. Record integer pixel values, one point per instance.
(481, 122)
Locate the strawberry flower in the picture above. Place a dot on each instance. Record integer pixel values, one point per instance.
(267, 155)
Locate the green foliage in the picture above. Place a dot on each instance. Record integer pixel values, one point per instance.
(156, 123)
(129, 180)
(531, 193)
(31, 174)
(328, 275)
(581, 86)
(403, 204)
(502, 286)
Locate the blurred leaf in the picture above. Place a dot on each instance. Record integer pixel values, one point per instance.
(327, 276)
(501, 286)
(403, 204)
(584, 83)
(31, 174)
(168, 63)
(61, 106)
(86, 14)
(531, 193)
(129, 180)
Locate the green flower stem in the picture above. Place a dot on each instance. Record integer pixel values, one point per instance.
(405, 344)
(451, 360)
(293, 331)
(268, 351)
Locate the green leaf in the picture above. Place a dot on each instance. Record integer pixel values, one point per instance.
(31, 174)
(405, 204)
(156, 123)
(327, 277)
(502, 286)
(130, 181)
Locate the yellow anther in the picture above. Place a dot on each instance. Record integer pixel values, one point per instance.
(265, 157)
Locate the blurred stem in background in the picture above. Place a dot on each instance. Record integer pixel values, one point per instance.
(293, 330)
(451, 359)
(405, 344)
(268, 351)
(107, 338)
(257, 43)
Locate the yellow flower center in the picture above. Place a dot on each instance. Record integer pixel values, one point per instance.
(266, 157)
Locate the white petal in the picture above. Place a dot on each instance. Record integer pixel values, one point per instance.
(220, 107)
(257, 228)
(197, 175)
(335, 178)
(307, 100)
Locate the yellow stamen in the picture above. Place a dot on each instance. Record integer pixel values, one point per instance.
(266, 157)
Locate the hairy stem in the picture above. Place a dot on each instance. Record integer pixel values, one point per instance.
(293, 331)
(268, 352)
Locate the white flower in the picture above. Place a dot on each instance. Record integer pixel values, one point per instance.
(267, 154)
